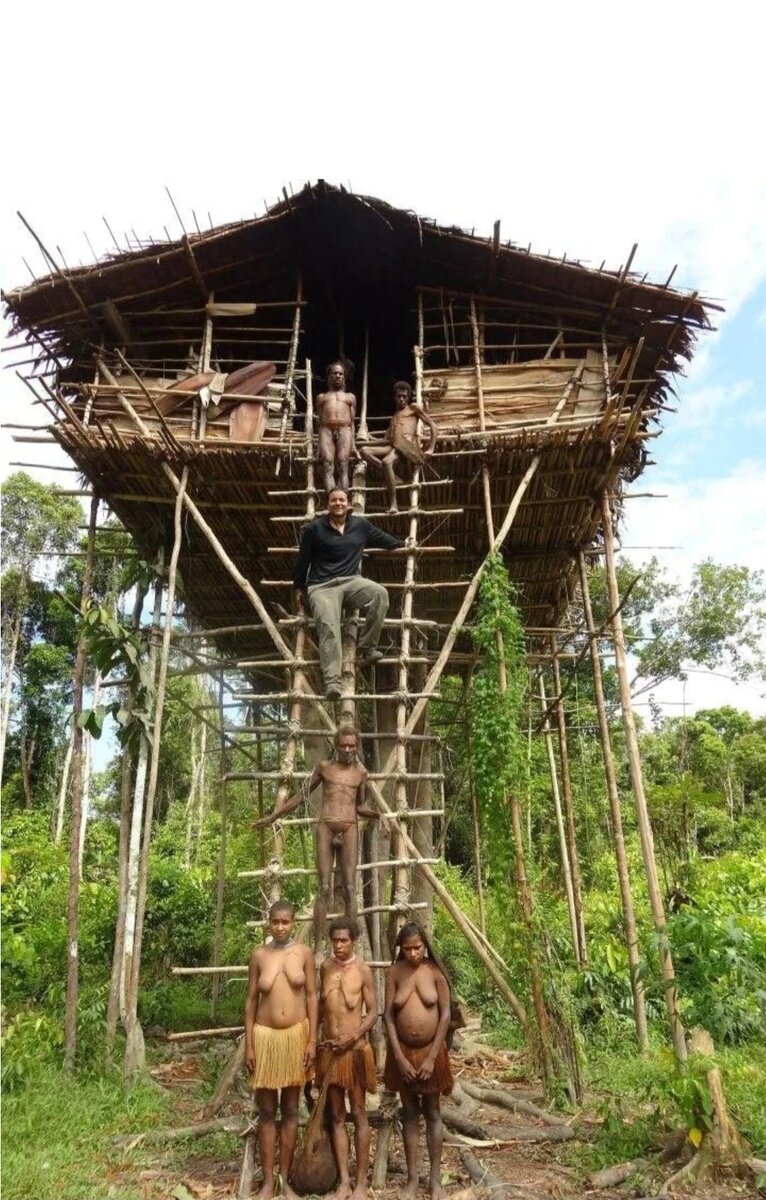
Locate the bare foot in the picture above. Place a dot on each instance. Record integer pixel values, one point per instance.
(393, 508)
(411, 1190)
(435, 1190)
(343, 1190)
(288, 1192)
(360, 1191)
(267, 1190)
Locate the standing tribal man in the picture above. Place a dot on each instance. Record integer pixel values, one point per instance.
(280, 1039)
(336, 409)
(345, 1059)
(328, 561)
(343, 794)
(400, 440)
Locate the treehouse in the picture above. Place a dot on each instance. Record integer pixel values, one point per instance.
(180, 378)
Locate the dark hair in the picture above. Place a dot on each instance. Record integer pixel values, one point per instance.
(344, 731)
(402, 383)
(281, 906)
(345, 923)
(346, 363)
(415, 929)
(345, 491)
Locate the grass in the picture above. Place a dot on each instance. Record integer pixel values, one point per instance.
(635, 1099)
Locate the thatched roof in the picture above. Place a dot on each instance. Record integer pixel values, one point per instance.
(361, 262)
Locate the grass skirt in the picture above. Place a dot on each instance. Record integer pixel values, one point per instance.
(346, 1069)
(279, 1056)
(440, 1083)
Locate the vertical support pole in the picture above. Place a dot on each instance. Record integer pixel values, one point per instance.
(566, 792)
(288, 404)
(224, 759)
(134, 1046)
(564, 850)
(73, 914)
(206, 351)
(623, 876)
(637, 781)
(363, 430)
(126, 794)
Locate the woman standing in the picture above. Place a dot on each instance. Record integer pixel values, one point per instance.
(417, 1019)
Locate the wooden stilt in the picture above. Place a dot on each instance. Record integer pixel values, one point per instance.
(220, 885)
(637, 781)
(134, 1046)
(73, 916)
(623, 876)
(566, 793)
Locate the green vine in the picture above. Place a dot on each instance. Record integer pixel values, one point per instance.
(498, 748)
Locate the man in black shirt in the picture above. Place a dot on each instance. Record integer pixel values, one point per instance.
(327, 571)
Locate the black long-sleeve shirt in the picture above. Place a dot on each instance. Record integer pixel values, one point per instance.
(325, 553)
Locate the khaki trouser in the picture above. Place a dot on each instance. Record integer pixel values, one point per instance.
(328, 601)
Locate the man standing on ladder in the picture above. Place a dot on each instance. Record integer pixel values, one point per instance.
(327, 572)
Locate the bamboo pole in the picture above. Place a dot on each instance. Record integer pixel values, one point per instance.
(637, 781)
(566, 869)
(73, 913)
(621, 858)
(566, 792)
(126, 792)
(221, 868)
(134, 1047)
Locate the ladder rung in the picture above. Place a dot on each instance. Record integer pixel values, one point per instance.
(307, 918)
(234, 776)
(402, 816)
(375, 550)
(407, 513)
(367, 488)
(278, 872)
(283, 697)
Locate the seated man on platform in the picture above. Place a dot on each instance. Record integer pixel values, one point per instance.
(400, 440)
(280, 1039)
(343, 794)
(345, 1058)
(328, 561)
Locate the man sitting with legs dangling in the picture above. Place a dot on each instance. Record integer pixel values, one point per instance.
(327, 571)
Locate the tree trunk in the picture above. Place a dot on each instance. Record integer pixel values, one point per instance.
(566, 793)
(63, 789)
(642, 811)
(87, 776)
(190, 799)
(73, 915)
(134, 1049)
(25, 758)
(134, 837)
(126, 793)
(5, 705)
(618, 840)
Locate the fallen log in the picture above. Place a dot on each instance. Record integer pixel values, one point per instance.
(504, 1099)
(457, 1121)
(610, 1176)
(233, 1125)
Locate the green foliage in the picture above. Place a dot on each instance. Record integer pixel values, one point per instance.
(37, 520)
(498, 752)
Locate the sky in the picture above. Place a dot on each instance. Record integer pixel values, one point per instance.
(583, 128)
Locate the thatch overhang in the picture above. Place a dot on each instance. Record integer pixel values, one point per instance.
(362, 265)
